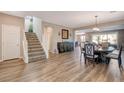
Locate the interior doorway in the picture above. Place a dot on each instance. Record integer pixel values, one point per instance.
(79, 37)
(49, 38)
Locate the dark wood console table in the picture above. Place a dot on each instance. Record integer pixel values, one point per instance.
(65, 46)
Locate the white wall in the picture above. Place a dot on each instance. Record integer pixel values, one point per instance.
(0, 42)
(55, 37)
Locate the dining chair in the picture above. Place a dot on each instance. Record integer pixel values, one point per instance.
(82, 49)
(116, 56)
(90, 53)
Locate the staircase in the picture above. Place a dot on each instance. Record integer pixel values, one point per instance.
(35, 50)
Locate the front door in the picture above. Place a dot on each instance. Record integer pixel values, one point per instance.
(10, 42)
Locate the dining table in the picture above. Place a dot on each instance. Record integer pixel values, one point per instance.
(101, 52)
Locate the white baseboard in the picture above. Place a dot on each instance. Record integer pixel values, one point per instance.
(15, 58)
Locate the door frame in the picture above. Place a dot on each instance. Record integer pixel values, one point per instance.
(3, 41)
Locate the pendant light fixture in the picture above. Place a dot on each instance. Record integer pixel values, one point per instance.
(96, 27)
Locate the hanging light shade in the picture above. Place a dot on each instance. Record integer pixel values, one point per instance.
(96, 27)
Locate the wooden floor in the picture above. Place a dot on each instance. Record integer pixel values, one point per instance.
(64, 67)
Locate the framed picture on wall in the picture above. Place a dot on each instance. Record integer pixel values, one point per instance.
(65, 34)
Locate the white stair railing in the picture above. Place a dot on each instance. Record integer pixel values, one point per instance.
(44, 45)
(37, 27)
(25, 48)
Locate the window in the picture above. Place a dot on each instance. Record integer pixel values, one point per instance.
(111, 38)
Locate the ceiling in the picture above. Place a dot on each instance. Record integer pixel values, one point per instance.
(73, 19)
